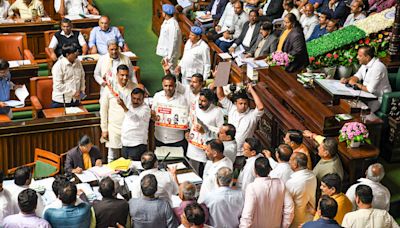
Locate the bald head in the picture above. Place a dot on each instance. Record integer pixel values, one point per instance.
(284, 152)
(224, 176)
(309, 10)
(187, 191)
(298, 161)
(375, 172)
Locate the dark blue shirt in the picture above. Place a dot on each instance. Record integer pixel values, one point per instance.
(322, 223)
(317, 32)
(5, 87)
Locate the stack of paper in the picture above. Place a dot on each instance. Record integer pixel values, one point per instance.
(201, 16)
(184, 3)
(21, 93)
(190, 176)
(73, 110)
(175, 152)
(178, 165)
(120, 164)
(17, 63)
(86, 176)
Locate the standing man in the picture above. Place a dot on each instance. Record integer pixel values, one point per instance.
(252, 151)
(216, 160)
(112, 113)
(5, 86)
(327, 208)
(294, 138)
(227, 135)
(68, 79)
(135, 127)
(266, 200)
(100, 35)
(106, 67)
(196, 57)
(280, 168)
(6, 206)
(330, 161)
(66, 36)
(169, 96)
(302, 187)
(241, 116)
(372, 77)
(207, 119)
(170, 39)
(225, 204)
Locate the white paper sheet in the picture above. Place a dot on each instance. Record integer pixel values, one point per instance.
(131, 182)
(101, 171)
(22, 93)
(17, 63)
(176, 201)
(176, 152)
(184, 3)
(190, 176)
(129, 54)
(73, 110)
(86, 176)
(238, 51)
(178, 165)
(225, 55)
(337, 88)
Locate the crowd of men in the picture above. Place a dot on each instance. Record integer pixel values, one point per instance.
(243, 185)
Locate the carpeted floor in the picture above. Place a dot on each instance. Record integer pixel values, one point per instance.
(135, 16)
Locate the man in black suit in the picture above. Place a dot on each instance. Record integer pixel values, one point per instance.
(82, 157)
(250, 32)
(272, 10)
(266, 43)
(110, 210)
(336, 9)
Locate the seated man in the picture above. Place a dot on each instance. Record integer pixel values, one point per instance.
(337, 9)
(66, 36)
(74, 7)
(4, 5)
(271, 10)
(69, 215)
(26, 10)
(320, 29)
(308, 20)
(214, 11)
(100, 35)
(266, 42)
(357, 13)
(27, 202)
(249, 34)
(83, 157)
(5, 86)
(372, 76)
(150, 211)
(68, 79)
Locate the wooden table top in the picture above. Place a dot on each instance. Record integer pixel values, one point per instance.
(4, 118)
(58, 112)
(364, 151)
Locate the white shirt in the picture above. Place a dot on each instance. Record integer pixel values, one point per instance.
(72, 7)
(135, 126)
(166, 186)
(308, 24)
(6, 205)
(230, 150)
(294, 11)
(225, 207)
(245, 123)
(195, 59)
(212, 117)
(280, 170)
(381, 194)
(170, 39)
(226, 19)
(247, 175)
(68, 78)
(351, 19)
(15, 190)
(249, 34)
(54, 42)
(302, 186)
(4, 10)
(209, 176)
(375, 78)
(238, 22)
(163, 134)
(214, 7)
(369, 218)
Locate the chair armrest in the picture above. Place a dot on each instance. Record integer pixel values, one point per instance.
(36, 103)
(386, 99)
(12, 170)
(28, 55)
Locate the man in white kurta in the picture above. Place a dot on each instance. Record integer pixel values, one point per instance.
(112, 114)
(6, 206)
(196, 57)
(208, 118)
(170, 39)
(217, 160)
(301, 186)
(252, 151)
(106, 67)
(227, 135)
(280, 169)
(308, 20)
(135, 127)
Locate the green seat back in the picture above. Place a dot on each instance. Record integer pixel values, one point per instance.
(43, 169)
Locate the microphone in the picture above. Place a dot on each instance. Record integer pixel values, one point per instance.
(359, 94)
(162, 163)
(21, 55)
(65, 109)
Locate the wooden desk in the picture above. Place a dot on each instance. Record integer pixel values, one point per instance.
(85, 23)
(356, 160)
(59, 112)
(34, 32)
(4, 118)
(21, 75)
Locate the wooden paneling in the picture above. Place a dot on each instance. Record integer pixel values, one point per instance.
(19, 139)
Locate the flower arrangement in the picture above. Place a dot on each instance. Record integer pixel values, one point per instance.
(354, 131)
(279, 58)
(347, 57)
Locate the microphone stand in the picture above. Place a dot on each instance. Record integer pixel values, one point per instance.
(65, 109)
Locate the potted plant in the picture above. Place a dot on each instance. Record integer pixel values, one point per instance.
(329, 62)
(347, 57)
(354, 133)
(279, 58)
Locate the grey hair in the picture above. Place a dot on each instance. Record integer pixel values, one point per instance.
(377, 174)
(112, 42)
(188, 190)
(224, 176)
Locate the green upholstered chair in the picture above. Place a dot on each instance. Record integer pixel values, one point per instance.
(394, 79)
(45, 164)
